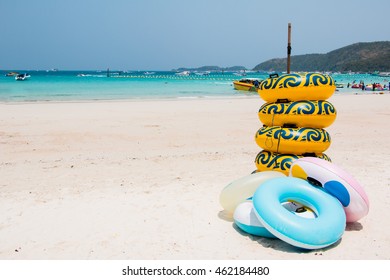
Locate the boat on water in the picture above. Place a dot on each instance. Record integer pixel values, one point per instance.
(11, 74)
(184, 73)
(384, 74)
(205, 73)
(246, 84)
(22, 77)
(240, 73)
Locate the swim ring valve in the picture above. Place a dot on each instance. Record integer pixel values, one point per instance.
(314, 182)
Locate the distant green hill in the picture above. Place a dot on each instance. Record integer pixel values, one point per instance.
(359, 57)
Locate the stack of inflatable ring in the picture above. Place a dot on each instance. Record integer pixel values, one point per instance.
(294, 119)
(299, 196)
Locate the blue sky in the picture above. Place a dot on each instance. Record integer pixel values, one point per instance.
(168, 34)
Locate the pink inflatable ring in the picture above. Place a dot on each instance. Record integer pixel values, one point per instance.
(336, 182)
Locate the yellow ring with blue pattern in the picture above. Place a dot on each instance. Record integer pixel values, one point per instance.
(295, 87)
(269, 161)
(285, 140)
(315, 114)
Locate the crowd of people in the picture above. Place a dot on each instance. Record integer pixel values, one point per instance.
(373, 86)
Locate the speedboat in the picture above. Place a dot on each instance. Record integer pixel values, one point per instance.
(205, 73)
(11, 74)
(246, 84)
(240, 73)
(184, 73)
(22, 77)
(383, 74)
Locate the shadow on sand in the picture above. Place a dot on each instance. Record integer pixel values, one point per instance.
(280, 245)
(356, 226)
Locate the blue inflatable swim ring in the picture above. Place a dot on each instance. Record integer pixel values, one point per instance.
(326, 229)
(246, 219)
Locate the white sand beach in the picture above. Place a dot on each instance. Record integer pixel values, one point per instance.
(141, 179)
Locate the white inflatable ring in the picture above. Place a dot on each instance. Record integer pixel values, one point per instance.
(245, 217)
(336, 182)
(326, 229)
(244, 188)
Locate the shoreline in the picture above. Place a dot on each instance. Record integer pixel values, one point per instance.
(146, 99)
(239, 95)
(141, 180)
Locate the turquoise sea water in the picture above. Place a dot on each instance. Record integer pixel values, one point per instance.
(95, 85)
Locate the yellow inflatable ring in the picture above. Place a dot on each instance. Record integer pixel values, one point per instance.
(294, 87)
(285, 140)
(269, 161)
(315, 114)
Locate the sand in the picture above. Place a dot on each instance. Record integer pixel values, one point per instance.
(141, 179)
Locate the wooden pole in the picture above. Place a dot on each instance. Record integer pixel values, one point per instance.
(289, 49)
